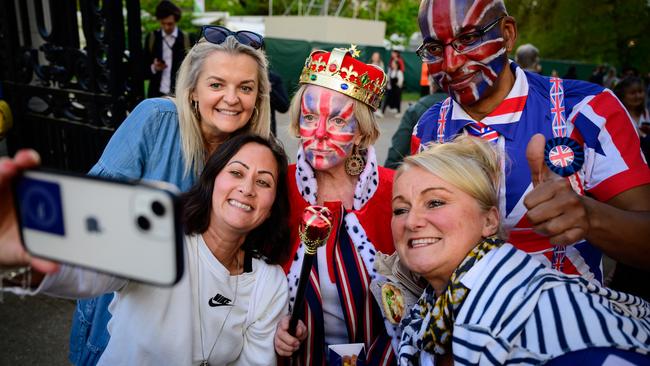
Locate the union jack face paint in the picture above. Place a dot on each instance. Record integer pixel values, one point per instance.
(469, 75)
(327, 127)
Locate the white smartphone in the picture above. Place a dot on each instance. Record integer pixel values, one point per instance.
(128, 229)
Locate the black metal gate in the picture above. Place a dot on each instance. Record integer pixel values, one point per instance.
(70, 71)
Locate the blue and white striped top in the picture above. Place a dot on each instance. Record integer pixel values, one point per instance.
(520, 312)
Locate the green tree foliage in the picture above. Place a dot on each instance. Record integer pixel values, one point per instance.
(401, 17)
(596, 31)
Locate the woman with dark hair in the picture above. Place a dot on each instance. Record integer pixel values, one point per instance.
(631, 92)
(226, 307)
(268, 241)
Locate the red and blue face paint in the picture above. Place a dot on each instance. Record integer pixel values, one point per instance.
(467, 76)
(327, 127)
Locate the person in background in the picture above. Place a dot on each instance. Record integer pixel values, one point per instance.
(375, 59)
(425, 87)
(234, 220)
(629, 71)
(527, 57)
(570, 73)
(279, 98)
(610, 79)
(222, 90)
(396, 55)
(401, 140)
(337, 167)
(598, 74)
(631, 92)
(486, 302)
(603, 205)
(164, 50)
(394, 89)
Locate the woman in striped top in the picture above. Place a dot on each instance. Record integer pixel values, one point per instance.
(487, 302)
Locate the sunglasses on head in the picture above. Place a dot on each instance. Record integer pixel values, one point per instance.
(217, 34)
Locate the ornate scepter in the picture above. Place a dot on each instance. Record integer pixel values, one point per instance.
(315, 228)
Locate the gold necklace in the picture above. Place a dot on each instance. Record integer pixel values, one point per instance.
(204, 361)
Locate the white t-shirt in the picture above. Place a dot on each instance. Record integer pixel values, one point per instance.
(160, 325)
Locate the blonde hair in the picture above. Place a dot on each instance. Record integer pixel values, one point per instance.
(467, 162)
(186, 80)
(368, 128)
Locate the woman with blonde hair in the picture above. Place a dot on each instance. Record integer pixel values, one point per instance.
(222, 89)
(485, 301)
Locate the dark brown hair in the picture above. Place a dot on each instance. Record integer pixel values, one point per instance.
(270, 240)
(166, 8)
(622, 87)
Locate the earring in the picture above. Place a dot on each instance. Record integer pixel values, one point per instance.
(354, 164)
(195, 109)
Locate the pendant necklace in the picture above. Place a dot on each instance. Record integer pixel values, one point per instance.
(204, 361)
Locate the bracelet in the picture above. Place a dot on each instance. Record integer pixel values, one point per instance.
(21, 276)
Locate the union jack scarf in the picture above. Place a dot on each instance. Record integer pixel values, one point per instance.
(353, 270)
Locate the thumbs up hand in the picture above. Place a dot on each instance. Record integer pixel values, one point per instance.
(554, 209)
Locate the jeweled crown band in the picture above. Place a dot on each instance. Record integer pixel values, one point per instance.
(341, 72)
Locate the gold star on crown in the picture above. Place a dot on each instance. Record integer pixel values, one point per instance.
(353, 51)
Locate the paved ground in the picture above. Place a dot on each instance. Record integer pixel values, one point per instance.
(35, 330)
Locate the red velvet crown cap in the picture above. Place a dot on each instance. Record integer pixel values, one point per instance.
(315, 227)
(340, 71)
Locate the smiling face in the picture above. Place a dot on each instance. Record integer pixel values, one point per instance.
(226, 90)
(328, 128)
(469, 76)
(634, 96)
(244, 190)
(435, 224)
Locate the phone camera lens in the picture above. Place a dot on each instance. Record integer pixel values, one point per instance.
(158, 208)
(144, 223)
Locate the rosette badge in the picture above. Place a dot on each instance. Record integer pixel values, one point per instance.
(315, 227)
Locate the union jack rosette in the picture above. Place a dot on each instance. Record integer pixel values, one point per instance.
(564, 156)
(315, 227)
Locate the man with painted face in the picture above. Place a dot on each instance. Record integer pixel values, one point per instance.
(602, 205)
(336, 167)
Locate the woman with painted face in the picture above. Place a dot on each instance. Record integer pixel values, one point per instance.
(222, 88)
(336, 167)
(487, 302)
(235, 221)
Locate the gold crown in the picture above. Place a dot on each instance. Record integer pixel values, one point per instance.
(339, 70)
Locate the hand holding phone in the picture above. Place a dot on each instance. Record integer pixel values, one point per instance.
(158, 64)
(126, 229)
(12, 252)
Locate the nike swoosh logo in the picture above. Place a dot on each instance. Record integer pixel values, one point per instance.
(214, 304)
(219, 300)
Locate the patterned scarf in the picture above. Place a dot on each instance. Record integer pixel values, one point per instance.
(428, 326)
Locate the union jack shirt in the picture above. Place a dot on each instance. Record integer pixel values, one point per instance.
(596, 120)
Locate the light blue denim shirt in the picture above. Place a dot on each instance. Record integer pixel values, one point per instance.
(146, 146)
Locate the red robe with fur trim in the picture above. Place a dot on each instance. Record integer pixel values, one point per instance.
(374, 216)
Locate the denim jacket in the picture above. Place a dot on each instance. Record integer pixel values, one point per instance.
(146, 146)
